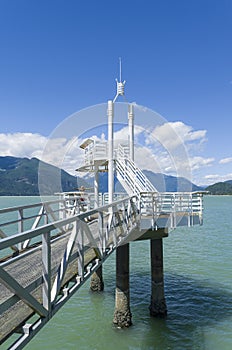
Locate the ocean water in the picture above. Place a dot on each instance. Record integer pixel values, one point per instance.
(198, 289)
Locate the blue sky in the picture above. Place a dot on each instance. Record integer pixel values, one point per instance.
(59, 56)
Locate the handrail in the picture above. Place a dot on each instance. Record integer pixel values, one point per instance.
(26, 206)
(113, 224)
(176, 205)
(29, 216)
(131, 177)
(16, 238)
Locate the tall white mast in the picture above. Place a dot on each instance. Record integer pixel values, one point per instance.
(131, 130)
(110, 112)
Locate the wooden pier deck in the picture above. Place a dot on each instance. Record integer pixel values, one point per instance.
(27, 271)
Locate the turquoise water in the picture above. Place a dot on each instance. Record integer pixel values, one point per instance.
(198, 281)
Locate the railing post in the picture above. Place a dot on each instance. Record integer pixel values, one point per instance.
(153, 214)
(46, 273)
(64, 211)
(20, 226)
(80, 247)
(45, 214)
(97, 283)
(96, 187)
(175, 207)
(101, 232)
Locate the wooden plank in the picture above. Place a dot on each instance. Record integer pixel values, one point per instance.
(29, 270)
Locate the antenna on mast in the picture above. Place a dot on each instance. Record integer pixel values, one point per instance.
(120, 69)
(120, 84)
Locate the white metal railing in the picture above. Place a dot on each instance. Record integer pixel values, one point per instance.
(21, 218)
(109, 227)
(97, 150)
(81, 201)
(28, 217)
(131, 177)
(18, 219)
(122, 151)
(176, 205)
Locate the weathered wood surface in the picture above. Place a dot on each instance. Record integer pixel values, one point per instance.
(28, 272)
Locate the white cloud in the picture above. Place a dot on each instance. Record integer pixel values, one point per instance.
(152, 155)
(63, 153)
(161, 150)
(198, 162)
(123, 134)
(21, 144)
(145, 159)
(174, 134)
(213, 178)
(225, 160)
(60, 151)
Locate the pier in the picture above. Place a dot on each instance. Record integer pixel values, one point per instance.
(50, 249)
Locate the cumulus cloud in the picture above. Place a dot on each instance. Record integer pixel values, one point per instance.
(145, 159)
(21, 144)
(122, 134)
(212, 178)
(59, 151)
(225, 160)
(162, 149)
(199, 162)
(149, 155)
(63, 153)
(173, 134)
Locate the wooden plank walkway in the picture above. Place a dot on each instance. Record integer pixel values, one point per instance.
(28, 271)
(63, 262)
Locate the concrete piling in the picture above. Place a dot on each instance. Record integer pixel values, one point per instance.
(96, 282)
(122, 314)
(158, 304)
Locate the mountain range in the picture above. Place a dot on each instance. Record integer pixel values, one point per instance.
(162, 182)
(19, 176)
(222, 188)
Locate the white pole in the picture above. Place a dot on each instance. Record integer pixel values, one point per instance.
(131, 130)
(96, 187)
(110, 150)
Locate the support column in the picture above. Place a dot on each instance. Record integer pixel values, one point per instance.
(97, 283)
(158, 303)
(110, 150)
(131, 130)
(122, 313)
(96, 187)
